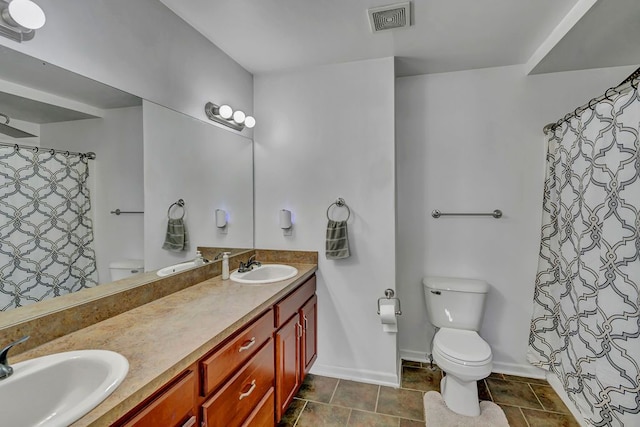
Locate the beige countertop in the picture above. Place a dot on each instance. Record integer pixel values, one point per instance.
(162, 338)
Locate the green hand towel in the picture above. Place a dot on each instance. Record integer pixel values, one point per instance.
(337, 246)
(176, 239)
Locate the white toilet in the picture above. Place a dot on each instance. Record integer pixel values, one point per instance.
(456, 306)
(125, 268)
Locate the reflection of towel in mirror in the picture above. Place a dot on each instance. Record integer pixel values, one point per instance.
(337, 246)
(176, 239)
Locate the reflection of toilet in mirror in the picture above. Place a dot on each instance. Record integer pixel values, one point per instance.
(455, 307)
(125, 268)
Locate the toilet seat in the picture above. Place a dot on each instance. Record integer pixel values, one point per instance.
(462, 347)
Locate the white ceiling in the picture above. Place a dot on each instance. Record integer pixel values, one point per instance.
(448, 35)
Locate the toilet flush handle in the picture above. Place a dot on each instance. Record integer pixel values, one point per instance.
(436, 292)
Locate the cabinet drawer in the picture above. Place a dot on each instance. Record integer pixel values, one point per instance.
(217, 367)
(171, 408)
(290, 305)
(262, 416)
(234, 402)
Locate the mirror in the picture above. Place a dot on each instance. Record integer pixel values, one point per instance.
(147, 158)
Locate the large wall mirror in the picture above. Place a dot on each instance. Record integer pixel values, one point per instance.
(146, 158)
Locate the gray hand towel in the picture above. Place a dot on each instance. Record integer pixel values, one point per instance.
(337, 246)
(176, 239)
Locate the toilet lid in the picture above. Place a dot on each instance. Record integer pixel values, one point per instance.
(462, 345)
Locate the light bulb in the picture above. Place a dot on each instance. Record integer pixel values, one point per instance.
(249, 122)
(239, 117)
(26, 14)
(225, 112)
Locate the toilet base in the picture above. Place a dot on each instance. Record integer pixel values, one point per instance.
(460, 396)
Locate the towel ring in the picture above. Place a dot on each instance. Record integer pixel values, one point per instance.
(341, 204)
(180, 204)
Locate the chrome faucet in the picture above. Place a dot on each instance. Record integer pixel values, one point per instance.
(5, 369)
(243, 268)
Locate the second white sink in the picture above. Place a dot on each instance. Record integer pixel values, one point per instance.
(177, 268)
(267, 273)
(56, 390)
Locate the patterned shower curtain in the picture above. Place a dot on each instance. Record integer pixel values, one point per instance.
(46, 234)
(586, 324)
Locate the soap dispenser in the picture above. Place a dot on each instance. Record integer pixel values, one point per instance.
(199, 260)
(225, 265)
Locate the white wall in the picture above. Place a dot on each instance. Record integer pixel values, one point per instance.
(328, 132)
(472, 141)
(140, 47)
(116, 176)
(209, 168)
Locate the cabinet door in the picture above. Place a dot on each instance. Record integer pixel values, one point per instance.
(309, 315)
(288, 363)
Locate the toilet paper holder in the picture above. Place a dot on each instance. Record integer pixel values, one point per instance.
(389, 294)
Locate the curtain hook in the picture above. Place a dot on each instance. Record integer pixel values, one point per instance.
(590, 107)
(16, 147)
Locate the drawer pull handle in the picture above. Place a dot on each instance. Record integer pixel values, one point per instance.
(299, 330)
(305, 322)
(248, 392)
(247, 345)
(190, 422)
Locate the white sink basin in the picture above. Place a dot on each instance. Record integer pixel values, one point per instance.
(59, 389)
(267, 273)
(177, 268)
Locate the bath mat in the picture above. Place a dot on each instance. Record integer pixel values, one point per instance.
(437, 414)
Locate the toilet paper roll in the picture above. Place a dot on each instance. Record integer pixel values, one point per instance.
(388, 316)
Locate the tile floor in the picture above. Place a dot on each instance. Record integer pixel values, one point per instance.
(324, 401)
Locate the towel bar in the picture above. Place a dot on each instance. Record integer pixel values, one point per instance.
(496, 213)
(118, 212)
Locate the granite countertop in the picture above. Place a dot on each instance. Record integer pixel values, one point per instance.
(162, 338)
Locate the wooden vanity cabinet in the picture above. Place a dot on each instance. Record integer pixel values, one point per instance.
(248, 380)
(296, 342)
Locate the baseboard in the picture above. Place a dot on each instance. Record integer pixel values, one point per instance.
(414, 356)
(555, 383)
(521, 370)
(361, 375)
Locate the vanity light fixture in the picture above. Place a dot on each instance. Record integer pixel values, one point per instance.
(225, 115)
(19, 19)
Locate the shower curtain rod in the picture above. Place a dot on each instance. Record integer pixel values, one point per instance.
(89, 155)
(628, 83)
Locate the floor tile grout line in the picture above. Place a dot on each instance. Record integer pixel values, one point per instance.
(375, 409)
(349, 417)
(524, 418)
(300, 414)
(486, 384)
(537, 398)
(334, 391)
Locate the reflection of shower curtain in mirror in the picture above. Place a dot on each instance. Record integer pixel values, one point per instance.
(586, 320)
(46, 234)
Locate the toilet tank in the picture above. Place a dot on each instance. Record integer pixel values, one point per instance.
(455, 303)
(125, 268)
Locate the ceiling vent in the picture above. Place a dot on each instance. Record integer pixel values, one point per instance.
(389, 17)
